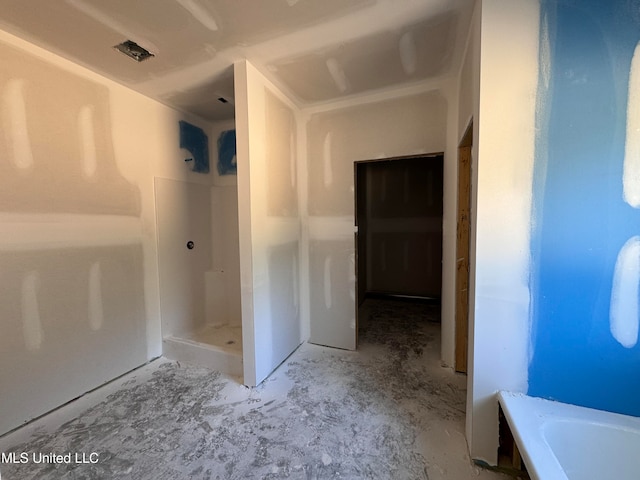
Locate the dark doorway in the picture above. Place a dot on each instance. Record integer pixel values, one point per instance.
(399, 220)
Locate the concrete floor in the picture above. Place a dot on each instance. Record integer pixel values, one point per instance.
(387, 411)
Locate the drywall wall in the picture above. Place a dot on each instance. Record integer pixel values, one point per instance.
(78, 292)
(585, 274)
(269, 223)
(503, 178)
(468, 113)
(336, 137)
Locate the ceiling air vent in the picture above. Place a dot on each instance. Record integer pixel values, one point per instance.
(133, 50)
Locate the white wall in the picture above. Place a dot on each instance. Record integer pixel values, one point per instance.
(79, 300)
(269, 222)
(503, 180)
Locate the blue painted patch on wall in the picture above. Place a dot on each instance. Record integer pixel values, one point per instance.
(194, 139)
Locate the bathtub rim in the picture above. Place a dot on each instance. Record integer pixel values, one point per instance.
(527, 416)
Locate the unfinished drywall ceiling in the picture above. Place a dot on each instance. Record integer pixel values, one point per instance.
(314, 50)
(420, 51)
(213, 100)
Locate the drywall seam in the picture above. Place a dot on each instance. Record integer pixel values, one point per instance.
(378, 96)
(623, 317)
(22, 232)
(16, 127)
(327, 161)
(200, 13)
(631, 166)
(545, 53)
(330, 228)
(86, 134)
(328, 300)
(96, 314)
(408, 53)
(293, 157)
(110, 22)
(352, 283)
(337, 74)
(31, 323)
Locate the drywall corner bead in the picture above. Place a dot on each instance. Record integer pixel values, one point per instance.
(194, 140)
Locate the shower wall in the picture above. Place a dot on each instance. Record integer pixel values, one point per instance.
(199, 286)
(184, 215)
(223, 302)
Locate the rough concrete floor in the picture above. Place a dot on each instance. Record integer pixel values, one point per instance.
(387, 411)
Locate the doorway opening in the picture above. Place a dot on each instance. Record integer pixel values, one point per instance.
(398, 237)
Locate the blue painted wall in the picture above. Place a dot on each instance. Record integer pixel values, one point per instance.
(580, 218)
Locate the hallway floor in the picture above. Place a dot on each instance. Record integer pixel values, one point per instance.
(387, 411)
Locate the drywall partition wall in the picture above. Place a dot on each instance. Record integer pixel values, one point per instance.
(78, 290)
(269, 223)
(468, 112)
(404, 125)
(503, 178)
(586, 272)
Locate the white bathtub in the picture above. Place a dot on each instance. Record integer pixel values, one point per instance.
(559, 441)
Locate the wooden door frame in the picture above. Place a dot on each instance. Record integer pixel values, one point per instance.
(463, 241)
